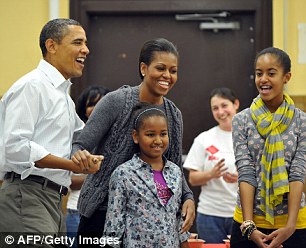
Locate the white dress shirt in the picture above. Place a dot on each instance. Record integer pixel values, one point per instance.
(39, 119)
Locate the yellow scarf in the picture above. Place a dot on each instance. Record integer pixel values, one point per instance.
(273, 170)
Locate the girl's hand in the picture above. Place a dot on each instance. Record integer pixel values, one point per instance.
(258, 238)
(279, 236)
(188, 211)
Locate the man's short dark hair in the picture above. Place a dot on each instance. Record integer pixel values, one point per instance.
(55, 29)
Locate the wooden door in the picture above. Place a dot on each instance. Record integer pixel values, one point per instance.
(209, 58)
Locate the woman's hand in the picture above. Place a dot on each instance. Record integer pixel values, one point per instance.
(188, 211)
(87, 163)
(230, 177)
(218, 169)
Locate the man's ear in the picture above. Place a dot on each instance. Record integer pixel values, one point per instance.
(135, 136)
(51, 46)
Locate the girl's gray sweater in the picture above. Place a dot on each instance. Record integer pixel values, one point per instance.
(108, 132)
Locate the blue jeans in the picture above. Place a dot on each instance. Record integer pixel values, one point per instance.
(213, 229)
(72, 223)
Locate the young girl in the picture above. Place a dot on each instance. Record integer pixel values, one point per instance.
(211, 165)
(270, 145)
(144, 208)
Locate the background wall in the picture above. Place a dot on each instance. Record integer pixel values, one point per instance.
(287, 15)
(20, 26)
(21, 22)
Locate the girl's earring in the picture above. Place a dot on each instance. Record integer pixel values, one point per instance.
(143, 74)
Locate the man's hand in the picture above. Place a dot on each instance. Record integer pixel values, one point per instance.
(188, 211)
(94, 165)
(87, 163)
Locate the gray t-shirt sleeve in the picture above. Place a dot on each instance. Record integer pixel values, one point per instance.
(246, 166)
(298, 163)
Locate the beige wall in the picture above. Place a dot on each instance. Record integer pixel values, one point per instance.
(20, 25)
(287, 14)
(21, 22)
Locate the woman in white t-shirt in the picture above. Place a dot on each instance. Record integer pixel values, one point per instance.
(211, 165)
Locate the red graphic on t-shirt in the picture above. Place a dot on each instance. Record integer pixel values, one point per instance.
(212, 150)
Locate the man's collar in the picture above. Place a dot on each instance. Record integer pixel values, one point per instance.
(55, 77)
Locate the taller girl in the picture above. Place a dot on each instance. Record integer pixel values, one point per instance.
(108, 132)
(270, 146)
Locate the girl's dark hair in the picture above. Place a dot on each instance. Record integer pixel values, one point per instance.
(282, 57)
(55, 29)
(89, 97)
(225, 93)
(151, 47)
(142, 111)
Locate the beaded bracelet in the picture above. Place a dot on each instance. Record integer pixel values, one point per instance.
(250, 231)
(247, 228)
